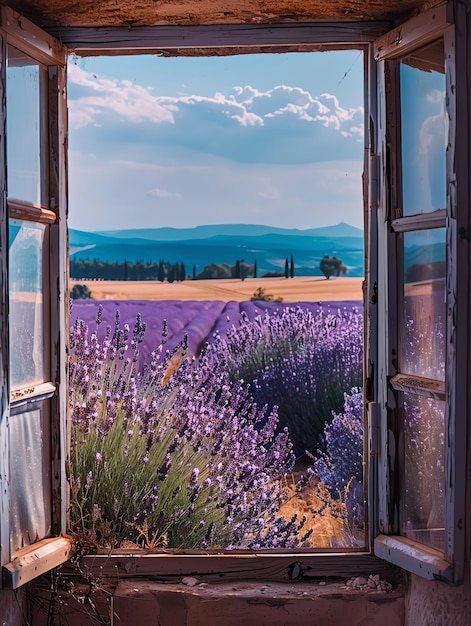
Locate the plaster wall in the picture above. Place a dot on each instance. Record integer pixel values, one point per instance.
(269, 604)
(12, 605)
(131, 601)
(430, 603)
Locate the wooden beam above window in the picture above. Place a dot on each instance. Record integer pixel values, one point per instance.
(152, 39)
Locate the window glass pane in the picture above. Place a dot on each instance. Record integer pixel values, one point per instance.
(423, 124)
(424, 470)
(27, 340)
(30, 499)
(24, 81)
(423, 347)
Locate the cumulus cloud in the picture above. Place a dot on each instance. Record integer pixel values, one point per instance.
(286, 124)
(101, 97)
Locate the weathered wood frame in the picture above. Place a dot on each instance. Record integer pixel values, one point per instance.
(33, 560)
(218, 39)
(424, 29)
(380, 289)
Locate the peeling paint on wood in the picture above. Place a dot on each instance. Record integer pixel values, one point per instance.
(59, 288)
(139, 40)
(4, 354)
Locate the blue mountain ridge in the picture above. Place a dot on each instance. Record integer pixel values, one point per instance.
(225, 244)
(211, 230)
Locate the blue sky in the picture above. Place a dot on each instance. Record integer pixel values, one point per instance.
(266, 139)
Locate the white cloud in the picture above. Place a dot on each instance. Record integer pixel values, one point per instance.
(246, 106)
(436, 96)
(122, 98)
(163, 193)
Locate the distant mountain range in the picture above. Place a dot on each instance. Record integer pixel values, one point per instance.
(225, 243)
(234, 230)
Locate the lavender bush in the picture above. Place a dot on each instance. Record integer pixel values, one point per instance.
(172, 454)
(340, 466)
(298, 360)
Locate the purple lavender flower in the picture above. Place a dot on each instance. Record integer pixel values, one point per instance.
(340, 467)
(300, 361)
(210, 453)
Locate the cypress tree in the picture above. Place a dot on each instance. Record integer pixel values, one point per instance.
(255, 268)
(161, 272)
(291, 267)
(286, 268)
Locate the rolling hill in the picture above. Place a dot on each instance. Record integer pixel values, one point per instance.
(203, 245)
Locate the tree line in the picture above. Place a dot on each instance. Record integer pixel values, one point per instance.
(87, 269)
(95, 269)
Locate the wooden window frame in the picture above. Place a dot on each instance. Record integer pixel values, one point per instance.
(379, 290)
(406, 553)
(25, 564)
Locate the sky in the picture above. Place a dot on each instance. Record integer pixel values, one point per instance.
(257, 139)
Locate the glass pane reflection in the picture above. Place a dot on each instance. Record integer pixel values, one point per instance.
(424, 470)
(423, 123)
(423, 345)
(23, 93)
(27, 354)
(30, 500)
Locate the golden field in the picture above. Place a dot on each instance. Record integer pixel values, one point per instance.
(301, 288)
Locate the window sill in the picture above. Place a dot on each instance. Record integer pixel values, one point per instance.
(168, 566)
(33, 393)
(413, 557)
(35, 560)
(277, 604)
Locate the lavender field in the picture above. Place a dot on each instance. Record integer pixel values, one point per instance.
(195, 452)
(201, 320)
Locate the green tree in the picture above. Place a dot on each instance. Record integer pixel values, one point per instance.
(161, 272)
(291, 267)
(171, 276)
(215, 270)
(245, 269)
(255, 268)
(332, 266)
(286, 268)
(80, 292)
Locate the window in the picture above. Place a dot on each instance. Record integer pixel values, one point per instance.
(35, 185)
(419, 459)
(417, 400)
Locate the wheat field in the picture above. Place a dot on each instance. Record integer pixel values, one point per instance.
(297, 289)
